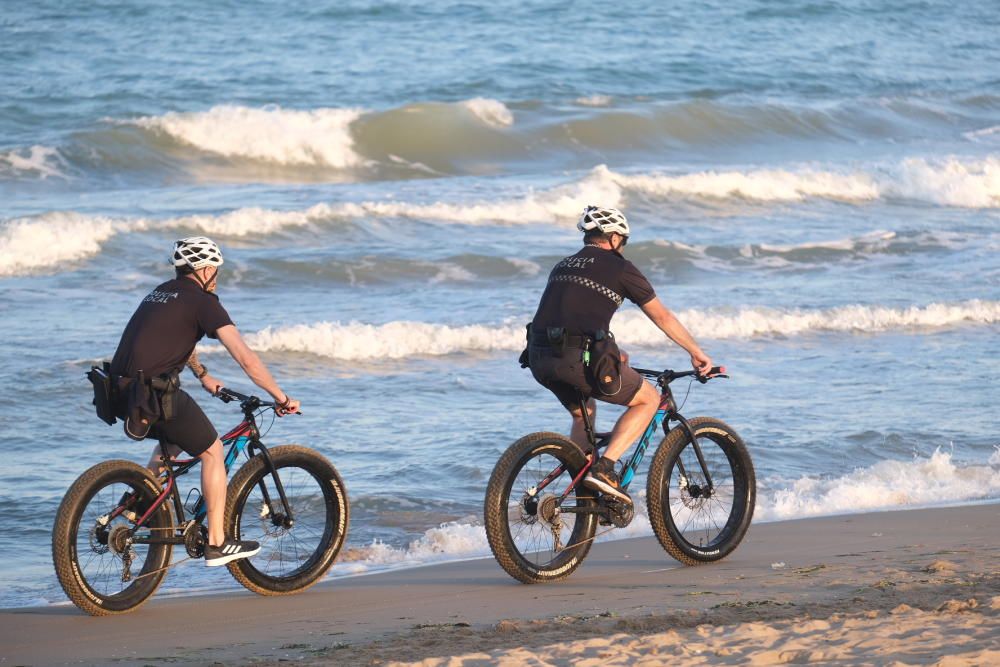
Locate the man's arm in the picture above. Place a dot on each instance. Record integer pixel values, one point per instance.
(255, 369)
(670, 325)
(209, 383)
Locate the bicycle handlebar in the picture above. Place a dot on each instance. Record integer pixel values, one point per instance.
(669, 376)
(249, 402)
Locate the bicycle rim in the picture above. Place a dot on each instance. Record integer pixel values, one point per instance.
(705, 516)
(90, 547)
(539, 526)
(291, 557)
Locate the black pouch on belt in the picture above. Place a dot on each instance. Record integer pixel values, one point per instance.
(557, 340)
(142, 410)
(606, 363)
(100, 377)
(166, 386)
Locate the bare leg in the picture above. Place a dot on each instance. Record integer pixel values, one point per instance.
(155, 465)
(631, 424)
(213, 487)
(577, 431)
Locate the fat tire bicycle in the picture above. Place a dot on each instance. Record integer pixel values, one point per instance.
(118, 523)
(700, 492)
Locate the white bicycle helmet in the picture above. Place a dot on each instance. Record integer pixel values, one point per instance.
(608, 220)
(197, 252)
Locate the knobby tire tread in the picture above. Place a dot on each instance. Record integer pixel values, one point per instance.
(63, 532)
(659, 513)
(495, 511)
(242, 484)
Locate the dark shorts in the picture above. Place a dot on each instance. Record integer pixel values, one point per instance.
(567, 378)
(189, 428)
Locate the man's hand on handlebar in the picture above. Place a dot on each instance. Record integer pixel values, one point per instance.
(701, 363)
(290, 406)
(210, 384)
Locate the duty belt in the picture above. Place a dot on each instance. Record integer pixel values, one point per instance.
(542, 338)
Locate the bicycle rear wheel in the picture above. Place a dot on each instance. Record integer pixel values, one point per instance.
(697, 522)
(98, 566)
(533, 536)
(293, 556)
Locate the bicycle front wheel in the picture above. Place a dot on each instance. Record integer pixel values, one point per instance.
(97, 562)
(294, 553)
(701, 518)
(537, 535)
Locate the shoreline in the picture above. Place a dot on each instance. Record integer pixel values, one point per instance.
(377, 569)
(847, 565)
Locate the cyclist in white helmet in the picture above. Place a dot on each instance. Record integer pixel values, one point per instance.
(156, 344)
(568, 347)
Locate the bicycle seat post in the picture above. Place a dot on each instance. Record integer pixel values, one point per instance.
(587, 425)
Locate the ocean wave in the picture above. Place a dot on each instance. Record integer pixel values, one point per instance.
(54, 239)
(320, 137)
(403, 339)
(886, 485)
(951, 182)
(480, 135)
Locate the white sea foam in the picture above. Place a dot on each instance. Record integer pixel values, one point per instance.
(594, 101)
(320, 137)
(948, 181)
(39, 161)
(401, 339)
(492, 112)
(32, 244)
(886, 485)
(761, 185)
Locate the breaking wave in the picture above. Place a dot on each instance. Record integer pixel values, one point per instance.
(482, 135)
(950, 182)
(281, 136)
(402, 339)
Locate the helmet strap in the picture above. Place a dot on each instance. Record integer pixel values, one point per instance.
(204, 284)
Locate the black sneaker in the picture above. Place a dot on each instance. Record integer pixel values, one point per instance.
(229, 551)
(603, 478)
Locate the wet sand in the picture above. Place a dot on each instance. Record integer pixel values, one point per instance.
(907, 587)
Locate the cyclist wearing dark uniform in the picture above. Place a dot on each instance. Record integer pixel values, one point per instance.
(157, 342)
(583, 293)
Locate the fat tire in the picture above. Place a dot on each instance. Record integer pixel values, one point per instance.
(744, 496)
(495, 510)
(335, 529)
(65, 531)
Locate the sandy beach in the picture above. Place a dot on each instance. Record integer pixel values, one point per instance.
(905, 587)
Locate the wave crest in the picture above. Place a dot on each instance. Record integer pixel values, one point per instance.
(402, 339)
(320, 137)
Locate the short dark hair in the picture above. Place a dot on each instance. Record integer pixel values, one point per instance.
(181, 271)
(595, 235)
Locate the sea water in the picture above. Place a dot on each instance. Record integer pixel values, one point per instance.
(814, 187)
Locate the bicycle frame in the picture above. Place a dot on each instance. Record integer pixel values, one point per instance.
(244, 437)
(666, 412)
